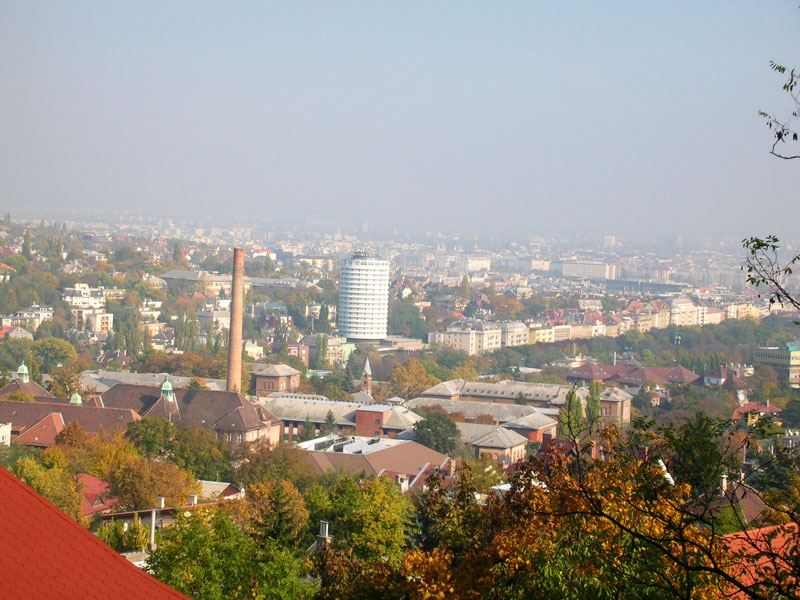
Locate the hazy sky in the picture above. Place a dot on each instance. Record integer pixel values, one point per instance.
(547, 116)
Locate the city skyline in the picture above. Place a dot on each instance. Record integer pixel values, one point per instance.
(578, 119)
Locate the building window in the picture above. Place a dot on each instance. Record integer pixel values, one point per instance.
(377, 421)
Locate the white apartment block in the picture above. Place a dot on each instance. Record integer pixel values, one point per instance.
(469, 336)
(83, 296)
(100, 322)
(5, 434)
(683, 312)
(580, 269)
(33, 317)
(562, 333)
(473, 264)
(513, 333)
(363, 310)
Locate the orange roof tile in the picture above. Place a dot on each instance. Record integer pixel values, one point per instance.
(46, 555)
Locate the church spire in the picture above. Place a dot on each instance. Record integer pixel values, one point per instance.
(366, 378)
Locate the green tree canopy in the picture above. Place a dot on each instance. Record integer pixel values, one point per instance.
(439, 432)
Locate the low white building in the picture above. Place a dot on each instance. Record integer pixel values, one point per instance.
(470, 336)
(83, 296)
(513, 333)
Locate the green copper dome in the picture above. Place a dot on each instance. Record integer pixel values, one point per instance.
(166, 391)
(22, 373)
(76, 399)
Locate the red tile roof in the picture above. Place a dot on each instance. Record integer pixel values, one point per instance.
(46, 555)
(24, 415)
(33, 388)
(94, 495)
(209, 409)
(766, 554)
(42, 434)
(740, 412)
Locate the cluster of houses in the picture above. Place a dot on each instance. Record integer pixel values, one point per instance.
(24, 322)
(589, 320)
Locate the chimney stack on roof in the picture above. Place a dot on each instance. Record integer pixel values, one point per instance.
(235, 340)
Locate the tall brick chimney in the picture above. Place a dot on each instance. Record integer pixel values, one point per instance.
(235, 339)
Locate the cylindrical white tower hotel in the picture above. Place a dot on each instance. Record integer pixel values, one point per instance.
(364, 297)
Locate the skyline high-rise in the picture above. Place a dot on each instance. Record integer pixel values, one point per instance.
(363, 309)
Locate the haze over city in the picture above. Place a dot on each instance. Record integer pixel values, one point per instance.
(511, 117)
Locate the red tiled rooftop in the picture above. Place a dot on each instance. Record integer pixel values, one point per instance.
(765, 554)
(46, 555)
(740, 411)
(94, 495)
(42, 434)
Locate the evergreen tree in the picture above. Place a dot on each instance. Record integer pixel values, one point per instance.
(438, 432)
(308, 430)
(593, 402)
(466, 290)
(570, 417)
(330, 423)
(177, 252)
(26, 245)
(791, 414)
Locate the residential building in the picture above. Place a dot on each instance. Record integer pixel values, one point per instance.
(562, 333)
(469, 336)
(579, 269)
(364, 297)
(100, 322)
(83, 296)
(541, 335)
(214, 316)
(5, 434)
(15, 333)
(253, 349)
(784, 361)
(752, 412)
(683, 312)
(337, 350)
(33, 316)
(298, 350)
(513, 333)
(632, 375)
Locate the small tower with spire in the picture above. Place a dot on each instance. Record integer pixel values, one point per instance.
(22, 373)
(366, 378)
(166, 391)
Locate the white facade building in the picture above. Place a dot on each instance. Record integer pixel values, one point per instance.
(513, 333)
(588, 270)
(469, 336)
(364, 297)
(83, 296)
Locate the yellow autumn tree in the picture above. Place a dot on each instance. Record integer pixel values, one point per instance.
(409, 379)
